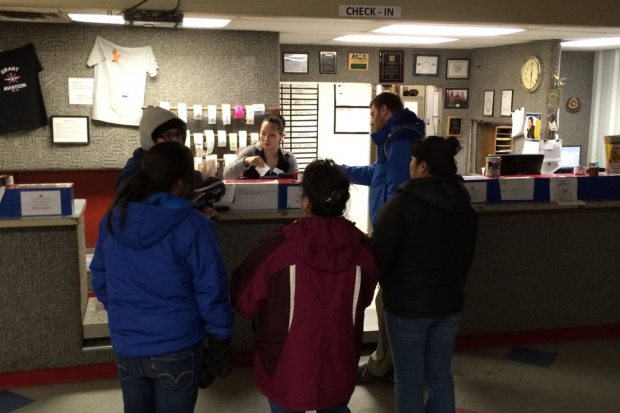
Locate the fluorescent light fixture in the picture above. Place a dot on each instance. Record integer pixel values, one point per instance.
(97, 18)
(446, 30)
(381, 39)
(200, 23)
(598, 42)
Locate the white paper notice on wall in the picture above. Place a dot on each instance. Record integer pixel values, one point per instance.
(81, 90)
(477, 191)
(221, 138)
(182, 111)
(249, 114)
(211, 114)
(254, 137)
(210, 141)
(225, 114)
(243, 139)
(164, 104)
(258, 108)
(563, 190)
(40, 203)
(516, 189)
(199, 143)
(197, 112)
(232, 138)
(518, 118)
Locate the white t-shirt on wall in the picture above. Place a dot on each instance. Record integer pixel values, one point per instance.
(120, 81)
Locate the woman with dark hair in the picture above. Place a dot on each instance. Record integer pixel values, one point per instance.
(306, 287)
(159, 273)
(424, 240)
(266, 157)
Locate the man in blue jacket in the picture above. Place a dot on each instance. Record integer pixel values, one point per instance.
(395, 127)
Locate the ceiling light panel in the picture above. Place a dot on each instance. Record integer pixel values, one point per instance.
(382, 39)
(593, 43)
(446, 30)
(97, 18)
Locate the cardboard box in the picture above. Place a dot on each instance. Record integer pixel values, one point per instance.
(36, 200)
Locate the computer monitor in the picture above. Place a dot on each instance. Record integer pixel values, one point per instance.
(521, 164)
(571, 156)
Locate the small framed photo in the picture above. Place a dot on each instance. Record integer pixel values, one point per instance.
(456, 98)
(327, 62)
(457, 69)
(489, 100)
(425, 65)
(391, 63)
(455, 126)
(358, 61)
(70, 129)
(506, 103)
(294, 62)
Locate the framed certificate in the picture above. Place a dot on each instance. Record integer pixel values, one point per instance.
(457, 69)
(425, 64)
(506, 103)
(70, 129)
(489, 99)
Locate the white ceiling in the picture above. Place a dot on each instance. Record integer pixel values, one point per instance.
(316, 31)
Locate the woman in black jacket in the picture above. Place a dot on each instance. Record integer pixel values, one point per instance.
(424, 240)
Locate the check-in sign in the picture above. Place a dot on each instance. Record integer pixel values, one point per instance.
(377, 12)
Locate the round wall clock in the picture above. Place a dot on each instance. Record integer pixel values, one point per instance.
(573, 104)
(531, 74)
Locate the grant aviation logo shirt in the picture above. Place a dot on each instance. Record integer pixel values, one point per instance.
(120, 81)
(20, 91)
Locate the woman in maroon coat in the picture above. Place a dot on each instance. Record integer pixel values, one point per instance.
(306, 287)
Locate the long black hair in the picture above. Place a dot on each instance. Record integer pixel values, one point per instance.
(162, 167)
(438, 153)
(327, 188)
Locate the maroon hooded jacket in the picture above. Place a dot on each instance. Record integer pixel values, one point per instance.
(306, 286)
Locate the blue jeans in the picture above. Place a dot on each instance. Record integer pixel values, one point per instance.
(422, 352)
(160, 384)
(340, 408)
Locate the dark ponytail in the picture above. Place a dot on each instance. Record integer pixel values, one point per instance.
(327, 188)
(163, 165)
(438, 153)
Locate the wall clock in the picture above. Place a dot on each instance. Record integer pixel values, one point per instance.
(531, 74)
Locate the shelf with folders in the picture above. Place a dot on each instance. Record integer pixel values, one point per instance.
(503, 139)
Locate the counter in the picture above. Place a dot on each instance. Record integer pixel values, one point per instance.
(543, 266)
(43, 294)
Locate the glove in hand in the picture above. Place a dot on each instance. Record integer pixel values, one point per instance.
(216, 361)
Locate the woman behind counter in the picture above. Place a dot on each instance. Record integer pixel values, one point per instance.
(267, 152)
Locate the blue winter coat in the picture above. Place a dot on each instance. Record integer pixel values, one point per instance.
(161, 278)
(393, 157)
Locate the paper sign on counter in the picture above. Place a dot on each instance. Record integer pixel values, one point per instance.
(563, 189)
(40, 203)
(477, 191)
(516, 189)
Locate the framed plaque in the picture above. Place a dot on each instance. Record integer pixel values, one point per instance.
(391, 66)
(358, 61)
(294, 62)
(327, 62)
(489, 100)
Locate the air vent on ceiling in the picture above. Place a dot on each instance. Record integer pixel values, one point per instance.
(32, 17)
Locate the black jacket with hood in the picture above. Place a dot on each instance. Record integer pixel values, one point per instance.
(424, 240)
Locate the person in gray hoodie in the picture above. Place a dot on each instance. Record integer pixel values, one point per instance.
(424, 240)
